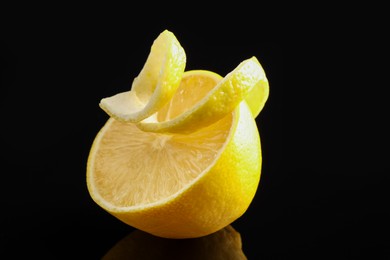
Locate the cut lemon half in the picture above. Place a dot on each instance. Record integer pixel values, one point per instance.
(155, 84)
(215, 98)
(176, 185)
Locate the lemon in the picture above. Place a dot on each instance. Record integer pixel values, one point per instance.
(180, 155)
(219, 101)
(155, 84)
(177, 186)
(224, 245)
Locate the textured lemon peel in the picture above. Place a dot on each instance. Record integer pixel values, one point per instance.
(218, 103)
(155, 84)
(159, 79)
(258, 95)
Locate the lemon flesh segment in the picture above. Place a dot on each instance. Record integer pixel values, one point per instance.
(194, 86)
(216, 104)
(155, 84)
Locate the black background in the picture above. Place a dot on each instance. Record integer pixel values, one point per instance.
(324, 185)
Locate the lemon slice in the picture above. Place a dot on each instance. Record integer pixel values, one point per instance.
(215, 103)
(155, 84)
(177, 186)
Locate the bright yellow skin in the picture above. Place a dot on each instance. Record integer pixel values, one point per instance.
(159, 79)
(154, 86)
(246, 78)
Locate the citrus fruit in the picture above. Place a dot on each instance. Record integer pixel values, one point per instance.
(224, 244)
(155, 84)
(191, 164)
(177, 186)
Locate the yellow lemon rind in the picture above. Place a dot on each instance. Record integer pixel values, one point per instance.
(154, 86)
(220, 101)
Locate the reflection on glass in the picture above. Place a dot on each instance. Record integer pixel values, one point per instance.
(224, 244)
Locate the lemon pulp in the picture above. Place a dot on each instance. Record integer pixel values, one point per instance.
(146, 167)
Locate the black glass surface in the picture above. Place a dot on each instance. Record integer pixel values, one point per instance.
(323, 192)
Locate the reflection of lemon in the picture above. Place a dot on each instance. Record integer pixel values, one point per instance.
(194, 166)
(222, 245)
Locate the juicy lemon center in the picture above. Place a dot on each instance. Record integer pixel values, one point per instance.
(157, 165)
(159, 143)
